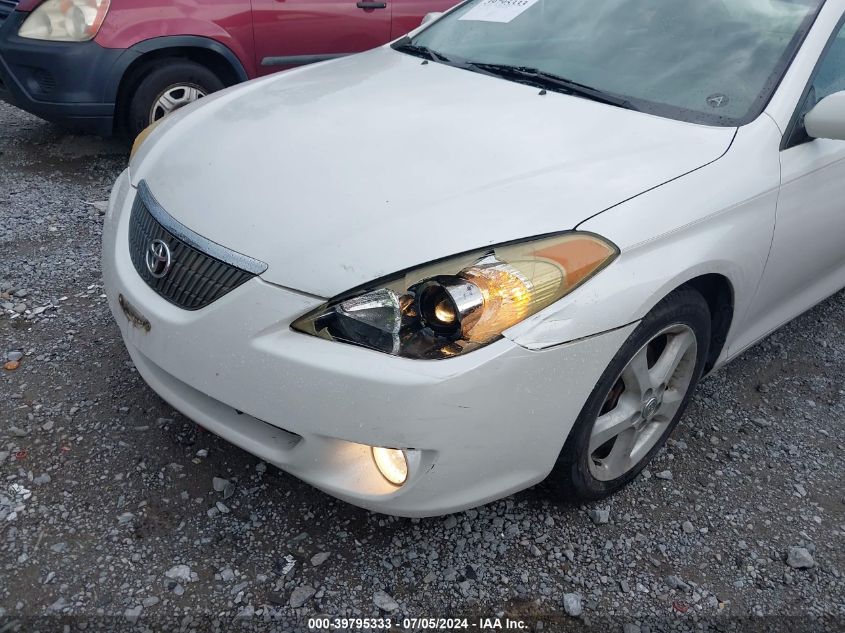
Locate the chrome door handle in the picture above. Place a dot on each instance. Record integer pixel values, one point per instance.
(371, 5)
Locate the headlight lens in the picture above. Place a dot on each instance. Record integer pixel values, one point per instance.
(66, 20)
(456, 306)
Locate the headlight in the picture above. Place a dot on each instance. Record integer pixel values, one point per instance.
(455, 306)
(66, 20)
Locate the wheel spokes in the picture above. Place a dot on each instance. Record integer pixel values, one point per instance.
(174, 98)
(612, 423)
(675, 351)
(672, 399)
(636, 375)
(618, 461)
(191, 95)
(651, 396)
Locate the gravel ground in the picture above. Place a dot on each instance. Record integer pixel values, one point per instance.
(117, 512)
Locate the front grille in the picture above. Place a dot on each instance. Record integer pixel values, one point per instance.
(200, 271)
(6, 8)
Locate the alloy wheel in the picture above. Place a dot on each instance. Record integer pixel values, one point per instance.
(643, 402)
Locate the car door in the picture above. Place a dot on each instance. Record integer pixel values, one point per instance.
(807, 259)
(294, 32)
(408, 14)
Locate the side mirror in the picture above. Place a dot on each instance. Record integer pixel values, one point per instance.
(827, 119)
(431, 17)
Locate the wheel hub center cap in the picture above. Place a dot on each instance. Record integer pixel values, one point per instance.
(650, 408)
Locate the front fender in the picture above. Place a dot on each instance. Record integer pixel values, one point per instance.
(718, 219)
(225, 27)
(129, 56)
(194, 41)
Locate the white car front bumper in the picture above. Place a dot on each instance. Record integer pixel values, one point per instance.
(486, 424)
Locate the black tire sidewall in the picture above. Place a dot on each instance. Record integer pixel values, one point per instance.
(571, 476)
(165, 74)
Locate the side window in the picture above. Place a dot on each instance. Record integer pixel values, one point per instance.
(829, 78)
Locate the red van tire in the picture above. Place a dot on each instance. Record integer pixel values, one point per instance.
(166, 87)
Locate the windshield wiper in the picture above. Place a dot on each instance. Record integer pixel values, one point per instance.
(406, 46)
(522, 74)
(550, 81)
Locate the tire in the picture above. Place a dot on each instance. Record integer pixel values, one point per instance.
(167, 75)
(584, 475)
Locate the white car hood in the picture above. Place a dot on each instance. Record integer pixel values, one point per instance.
(340, 173)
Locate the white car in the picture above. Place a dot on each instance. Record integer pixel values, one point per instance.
(501, 250)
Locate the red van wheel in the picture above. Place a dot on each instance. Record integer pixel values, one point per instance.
(168, 86)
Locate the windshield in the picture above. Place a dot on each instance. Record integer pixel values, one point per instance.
(707, 61)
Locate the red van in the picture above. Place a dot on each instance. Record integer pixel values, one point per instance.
(115, 66)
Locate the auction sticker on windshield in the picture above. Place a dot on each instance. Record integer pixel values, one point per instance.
(498, 10)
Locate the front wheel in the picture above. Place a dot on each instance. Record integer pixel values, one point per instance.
(170, 85)
(638, 401)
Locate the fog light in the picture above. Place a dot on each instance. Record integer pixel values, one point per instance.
(392, 464)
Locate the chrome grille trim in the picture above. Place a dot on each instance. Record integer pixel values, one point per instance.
(197, 277)
(195, 240)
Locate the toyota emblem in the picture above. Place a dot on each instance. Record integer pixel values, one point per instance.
(158, 259)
